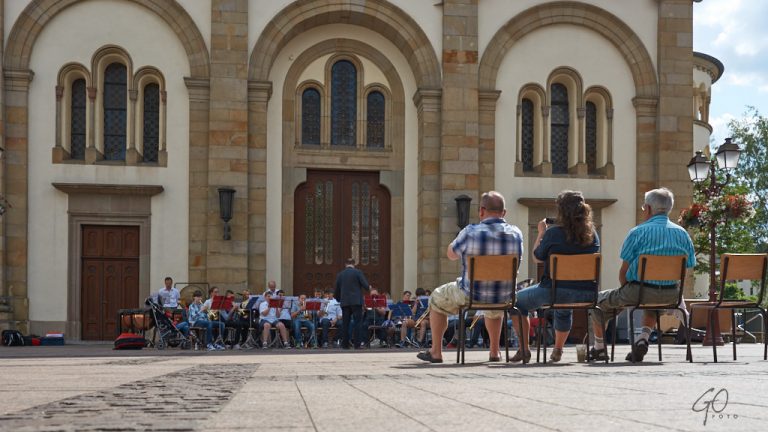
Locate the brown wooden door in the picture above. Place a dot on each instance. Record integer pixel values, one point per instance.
(340, 215)
(110, 277)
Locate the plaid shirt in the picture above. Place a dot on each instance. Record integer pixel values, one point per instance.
(492, 236)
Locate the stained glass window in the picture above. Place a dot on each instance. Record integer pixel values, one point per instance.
(591, 137)
(343, 104)
(527, 135)
(366, 224)
(365, 216)
(375, 120)
(77, 120)
(151, 122)
(560, 122)
(318, 224)
(115, 97)
(310, 117)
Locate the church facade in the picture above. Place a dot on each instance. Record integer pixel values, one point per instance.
(320, 130)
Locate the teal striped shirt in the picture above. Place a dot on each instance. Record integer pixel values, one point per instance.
(656, 236)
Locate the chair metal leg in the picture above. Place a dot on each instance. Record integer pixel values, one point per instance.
(712, 332)
(521, 336)
(460, 348)
(689, 330)
(686, 324)
(506, 333)
(733, 331)
(602, 325)
(632, 335)
(658, 329)
(613, 332)
(765, 327)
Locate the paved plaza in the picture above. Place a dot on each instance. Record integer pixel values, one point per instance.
(91, 387)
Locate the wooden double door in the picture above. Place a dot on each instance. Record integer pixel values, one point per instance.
(110, 277)
(338, 215)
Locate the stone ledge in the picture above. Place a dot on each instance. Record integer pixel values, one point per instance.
(108, 189)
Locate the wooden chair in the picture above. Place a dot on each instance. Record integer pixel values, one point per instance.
(737, 267)
(488, 268)
(657, 268)
(579, 267)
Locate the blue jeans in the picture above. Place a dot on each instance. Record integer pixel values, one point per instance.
(534, 296)
(298, 324)
(208, 326)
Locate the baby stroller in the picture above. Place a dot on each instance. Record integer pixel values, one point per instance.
(167, 333)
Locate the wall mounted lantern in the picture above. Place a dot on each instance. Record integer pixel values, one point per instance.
(226, 201)
(462, 210)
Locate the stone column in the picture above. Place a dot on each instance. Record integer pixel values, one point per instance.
(15, 175)
(487, 118)
(132, 155)
(227, 260)
(675, 109)
(428, 102)
(259, 93)
(59, 153)
(460, 153)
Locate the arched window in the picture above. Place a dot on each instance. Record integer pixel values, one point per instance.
(527, 134)
(77, 123)
(115, 97)
(375, 120)
(310, 117)
(151, 122)
(560, 122)
(343, 104)
(590, 138)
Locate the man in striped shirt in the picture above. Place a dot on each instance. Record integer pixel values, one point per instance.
(657, 235)
(492, 236)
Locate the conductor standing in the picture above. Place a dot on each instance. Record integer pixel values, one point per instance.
(350, 288)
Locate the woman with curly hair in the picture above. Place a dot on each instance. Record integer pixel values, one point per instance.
(572, 233)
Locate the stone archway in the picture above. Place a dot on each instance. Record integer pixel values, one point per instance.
(402, 30)
(17, 76)
(613, 29)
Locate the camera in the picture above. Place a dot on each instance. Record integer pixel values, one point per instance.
(549, 221)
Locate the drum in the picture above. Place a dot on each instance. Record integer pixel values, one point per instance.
(136, 320)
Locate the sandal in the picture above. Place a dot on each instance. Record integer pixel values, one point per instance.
(427, 357)
(494, 359)
(557, 354)
(519, 356)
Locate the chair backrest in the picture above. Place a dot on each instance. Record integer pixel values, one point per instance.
(737, 267)
(493, 268)
(662, 267)
(580, 267)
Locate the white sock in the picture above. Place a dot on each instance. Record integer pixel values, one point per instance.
(599, 344)
(646, 334)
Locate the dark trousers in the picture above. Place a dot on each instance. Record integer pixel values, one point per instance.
(354, 312)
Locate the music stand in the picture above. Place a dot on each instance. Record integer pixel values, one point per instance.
(401, 310)
(221, 303)
(276, 302)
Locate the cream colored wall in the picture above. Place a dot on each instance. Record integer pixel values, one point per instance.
(640, 15)
(11, 11)
(109, 22)
(274, 140)
(200, 11)
(261, 12)
(525, 63)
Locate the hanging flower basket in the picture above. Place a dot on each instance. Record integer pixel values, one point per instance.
(691, 217)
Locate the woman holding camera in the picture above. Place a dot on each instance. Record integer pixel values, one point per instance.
(572, 233)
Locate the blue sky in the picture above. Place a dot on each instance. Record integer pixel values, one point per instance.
(736, 33)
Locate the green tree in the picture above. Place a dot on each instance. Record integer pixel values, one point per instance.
(751, 132)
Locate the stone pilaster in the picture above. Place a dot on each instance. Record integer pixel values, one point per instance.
(675, 109)
(227, 260)
(259, 93)
(199, 110)
(460, 152)
(15, 176)
(428, 103)
(487, 134)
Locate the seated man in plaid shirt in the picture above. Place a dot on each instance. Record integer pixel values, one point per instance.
(491, 236)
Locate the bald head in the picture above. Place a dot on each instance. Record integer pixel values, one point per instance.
(493, 203)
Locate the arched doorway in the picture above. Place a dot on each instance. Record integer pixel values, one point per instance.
(340, 214)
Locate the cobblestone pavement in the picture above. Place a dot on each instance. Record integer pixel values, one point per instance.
(87, 387)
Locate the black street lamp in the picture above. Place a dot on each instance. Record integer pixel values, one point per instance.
(226, 201)
(462, 210)
(701, 169)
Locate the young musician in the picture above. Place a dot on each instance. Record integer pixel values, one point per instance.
(303, 318)
(198, 317)
(268, 319)
(329, 317)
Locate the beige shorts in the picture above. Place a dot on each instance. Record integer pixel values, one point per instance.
(448, 298)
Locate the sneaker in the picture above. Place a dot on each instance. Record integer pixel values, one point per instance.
(325, 344)
(639, 349)
(557, 354)
(287, 346)
(400, 344)
(375, 341)
(210, 347)
(219, 347)
(236, 347)
(383, 344)
(264, 346)
(598, 354)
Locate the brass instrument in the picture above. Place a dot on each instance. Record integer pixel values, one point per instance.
(421, 318)
(475, 319)
(242, 309)
(213, 315)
